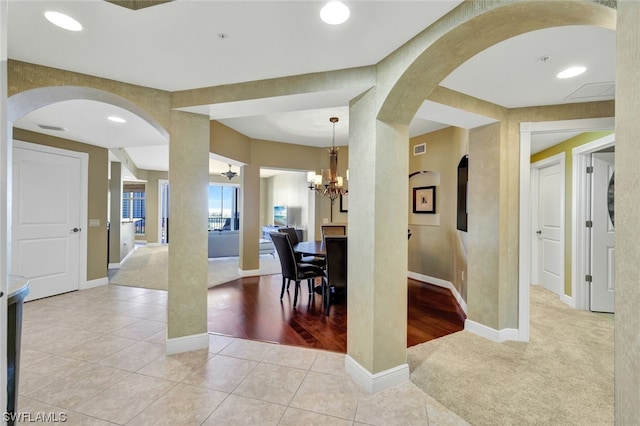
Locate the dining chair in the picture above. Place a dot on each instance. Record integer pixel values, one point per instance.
(333, 230)
(293, 237)
(336, 246)
(292, 269)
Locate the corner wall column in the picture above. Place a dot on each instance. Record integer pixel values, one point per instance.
(249, 262)
(189, 179)
(115, 214)
(377, 267)
(627, 200)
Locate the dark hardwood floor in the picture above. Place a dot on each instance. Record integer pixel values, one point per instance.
(251, 308)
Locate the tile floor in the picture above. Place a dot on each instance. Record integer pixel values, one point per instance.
(98, 357)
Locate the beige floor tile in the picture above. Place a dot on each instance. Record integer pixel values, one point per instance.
(134, 357)
(296, 417)
(147, 311)
(109, 323)
(239, 411)
(218, 342)
(271, 383)
(221, 373)
(125, 399)
(141, 329)
(247, 349)
(72, 390)
(328, 394)
(403, 404)
(291, 356)
(329, 362)
(176, 367)
(182, 405)
(160, 338)
(30, 356)
(99, 348)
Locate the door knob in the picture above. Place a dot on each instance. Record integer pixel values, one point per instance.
(539, 232)
(76, 230)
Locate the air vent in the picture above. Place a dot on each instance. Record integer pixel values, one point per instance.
(419, 149)
(54, 128)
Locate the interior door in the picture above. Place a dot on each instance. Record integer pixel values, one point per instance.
(602, 234)
(46, 220)
(550, 231)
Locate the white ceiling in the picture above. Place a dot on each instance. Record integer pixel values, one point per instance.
(175, 46)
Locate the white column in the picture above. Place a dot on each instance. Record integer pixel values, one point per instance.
(5, 218)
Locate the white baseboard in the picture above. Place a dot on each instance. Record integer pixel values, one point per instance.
(440, 283)
(568, 300)
(94, 283)
(494, 335)
(114, 266)
(249, 272)
(376, 382)
(154, 244)
(187, 343)
(122, 262)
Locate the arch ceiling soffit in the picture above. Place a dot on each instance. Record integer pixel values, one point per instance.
(21, 104)
(450, 42)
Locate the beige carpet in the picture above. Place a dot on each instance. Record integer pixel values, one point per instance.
(563, 376)
(147, 268)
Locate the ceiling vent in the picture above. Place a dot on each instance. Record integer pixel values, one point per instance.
(594, 90)
(137, 4)
(54, 128)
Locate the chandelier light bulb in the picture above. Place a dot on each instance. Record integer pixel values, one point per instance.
(334, 13)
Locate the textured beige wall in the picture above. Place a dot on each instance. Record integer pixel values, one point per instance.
(151, 188)
(250, 231)
(115, 212)
(627, 200)
(98, 187)
(189, 180)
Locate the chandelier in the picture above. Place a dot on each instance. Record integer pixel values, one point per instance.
(229, 174)
(329, 183)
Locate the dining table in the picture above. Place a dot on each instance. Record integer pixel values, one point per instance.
(311, 248)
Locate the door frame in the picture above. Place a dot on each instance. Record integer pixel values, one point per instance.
(581, 204)
(558, 159)
(161, 184)
(524, 231)
(84, 196)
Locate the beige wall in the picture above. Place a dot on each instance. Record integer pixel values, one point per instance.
(98, 187)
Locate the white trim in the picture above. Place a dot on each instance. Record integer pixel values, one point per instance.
(581, 213)
(118, 265)
(154, 245)
(558, 159)
(440, 283)
(376, 382)
(187, 343)
(494, 335)
(84, 197)
(524, 249)
(568, 300)
(94, 283)
(161, 182)
(114, 266)
(249, 272)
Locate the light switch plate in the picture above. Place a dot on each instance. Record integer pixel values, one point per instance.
(94, 223)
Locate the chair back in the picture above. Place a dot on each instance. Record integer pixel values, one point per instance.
(336, 247)
(291, 232)
(285, 254)
(333, 230)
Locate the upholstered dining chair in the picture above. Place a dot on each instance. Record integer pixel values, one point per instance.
(292, 269)
(336, 247)
(293, 237)
(333, 230)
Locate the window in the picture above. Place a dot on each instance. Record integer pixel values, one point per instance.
(134, 206)
(223, 208)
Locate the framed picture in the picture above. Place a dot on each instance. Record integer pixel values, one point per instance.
(424, 199)
(344, 203)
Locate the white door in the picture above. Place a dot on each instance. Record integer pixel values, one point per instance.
(602, 235)
(46, 224)
(550, 231)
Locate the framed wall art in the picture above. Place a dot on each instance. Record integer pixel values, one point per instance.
(424, 199)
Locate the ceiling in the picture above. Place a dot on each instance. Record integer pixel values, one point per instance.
(178, 45)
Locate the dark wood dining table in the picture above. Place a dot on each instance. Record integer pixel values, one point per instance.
(311, 248)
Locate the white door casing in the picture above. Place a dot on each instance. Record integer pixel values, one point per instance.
(602, 236)
(48, 243)
(549, 219)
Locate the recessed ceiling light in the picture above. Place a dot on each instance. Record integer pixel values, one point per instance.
(116, 119)
(63, 21)
(571, 72)
(334, 13)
